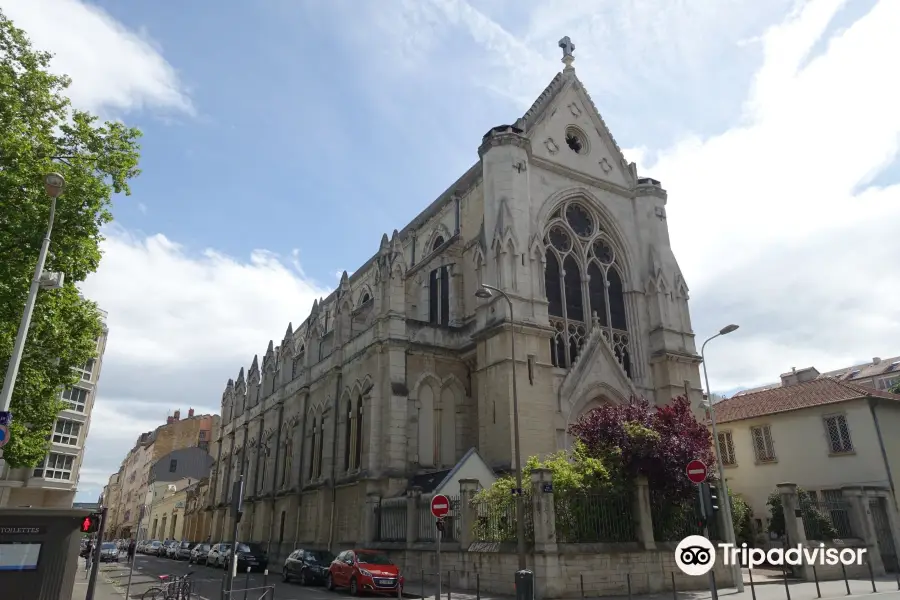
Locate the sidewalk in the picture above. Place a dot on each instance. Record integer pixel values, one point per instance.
(102, 590)
(766, 587)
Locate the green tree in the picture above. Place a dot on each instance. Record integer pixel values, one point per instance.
(741, 516)
(895, 389)
(41, 132)
(817, 524)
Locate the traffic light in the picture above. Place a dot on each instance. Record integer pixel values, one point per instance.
(713, 498)
(91, 523)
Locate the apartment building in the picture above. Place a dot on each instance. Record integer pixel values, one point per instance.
(880, 373)
(136, 475)
(53, 482)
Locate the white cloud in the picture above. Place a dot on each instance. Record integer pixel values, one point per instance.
(181, 323)
(766, 215)
(113, 70)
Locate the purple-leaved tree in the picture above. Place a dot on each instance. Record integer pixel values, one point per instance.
(639, 439)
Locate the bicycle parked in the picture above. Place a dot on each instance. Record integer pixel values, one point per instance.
(170, 588)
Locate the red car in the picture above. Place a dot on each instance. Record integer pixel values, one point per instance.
(364, 571)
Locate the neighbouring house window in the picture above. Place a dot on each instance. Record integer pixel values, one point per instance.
(173, 465)
(56, 466)
(66, 432)
(202, 435)
(838, 434)
(763, 447)
(726, 449)
(87, 370)
(75, 399)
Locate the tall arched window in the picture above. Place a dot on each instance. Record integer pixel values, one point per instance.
(357, 459)
(583, 279)
(321, 446)
(313, 448)
(297, 364)
(438, 242)
(288, 449)
(348, 435)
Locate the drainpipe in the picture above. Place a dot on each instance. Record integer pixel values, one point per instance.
(884, 456)
(275, 477)
(303, 425)
(334, 431)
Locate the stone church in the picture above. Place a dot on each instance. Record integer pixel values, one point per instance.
(402, 369)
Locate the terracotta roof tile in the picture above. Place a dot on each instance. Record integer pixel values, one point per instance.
(801, 395)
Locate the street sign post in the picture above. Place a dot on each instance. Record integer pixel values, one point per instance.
(4, 435)
(440, 508)
(697, 471)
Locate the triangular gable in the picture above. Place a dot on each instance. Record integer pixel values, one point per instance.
(470, 466)
(565, 104)
(596, 364)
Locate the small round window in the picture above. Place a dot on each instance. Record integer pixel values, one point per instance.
(576, 140)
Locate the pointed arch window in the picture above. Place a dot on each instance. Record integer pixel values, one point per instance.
(357, 451)
(439, 296)
(438, 242)
(348, 436)
(313, 449)
(288, 457)
(297, 364)
(321, 438)
(583, 283)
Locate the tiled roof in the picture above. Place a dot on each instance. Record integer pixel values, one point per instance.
(801, 395)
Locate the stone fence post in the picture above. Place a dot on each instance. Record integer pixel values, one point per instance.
(468, 515)
(543, 510)
(371, 518)
(643, 516)
(412, 515)
(793, 522)
(863, 525)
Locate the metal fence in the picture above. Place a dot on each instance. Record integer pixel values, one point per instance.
(495, 519)
(391, 517)
(593, 518)
(427, 529)
(826, 520)
(675, 520)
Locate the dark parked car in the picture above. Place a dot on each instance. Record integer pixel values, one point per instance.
(307, 566)
(198, 554)
(248, 555)
(183, 551)
(109, 552)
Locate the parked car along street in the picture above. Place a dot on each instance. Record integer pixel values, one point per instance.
(307, 566)
(216, 556)
(363, 571)
(248, 555)
(109, 552)
(183, 550)
(198, 554)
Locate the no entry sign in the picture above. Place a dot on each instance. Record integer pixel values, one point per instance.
(696, 471)
(440, 506)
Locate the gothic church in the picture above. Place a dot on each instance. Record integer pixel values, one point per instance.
(403, 369)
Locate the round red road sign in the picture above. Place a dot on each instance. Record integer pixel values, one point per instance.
(696, 471)
(440, 506)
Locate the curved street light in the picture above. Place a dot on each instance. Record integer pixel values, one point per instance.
(486, 292)
(730, 536)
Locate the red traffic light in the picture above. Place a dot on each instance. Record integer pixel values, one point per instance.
(90, 524)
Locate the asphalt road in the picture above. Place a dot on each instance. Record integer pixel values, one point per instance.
(208, 581)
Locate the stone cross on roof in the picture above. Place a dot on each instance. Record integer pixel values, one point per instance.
(568, 48)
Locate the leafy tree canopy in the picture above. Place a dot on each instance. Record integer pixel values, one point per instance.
(818, 525)
(639, 439)
(41, 132)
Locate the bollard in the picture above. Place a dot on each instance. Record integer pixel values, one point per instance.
(448, 584)
(266, 577)
(422, 595)
(787, 589)
(816, 578)
(846, 581)
(246, 582)
(628, 581)
(871, 576)
(477, 586)
(581, 578)
(752, 587)
(674, 590)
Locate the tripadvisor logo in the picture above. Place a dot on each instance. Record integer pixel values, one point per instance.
(696, 555)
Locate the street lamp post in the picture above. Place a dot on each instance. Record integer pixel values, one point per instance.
(486, 292)
(730, 536)
(54, 184)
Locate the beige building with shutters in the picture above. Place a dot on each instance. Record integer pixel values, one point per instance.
(402, 369)
(823, 434)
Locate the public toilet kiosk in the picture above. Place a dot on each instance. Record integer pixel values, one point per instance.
(39, 552)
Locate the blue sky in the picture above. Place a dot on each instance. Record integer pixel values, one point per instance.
(283, 137)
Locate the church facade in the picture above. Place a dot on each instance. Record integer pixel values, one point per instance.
(403, 369)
